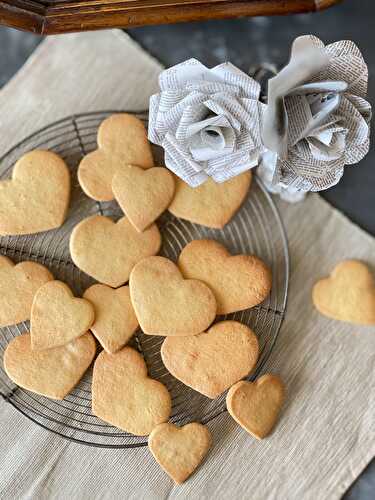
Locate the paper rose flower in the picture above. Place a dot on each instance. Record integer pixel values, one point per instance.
(207, 120)
(317, 118)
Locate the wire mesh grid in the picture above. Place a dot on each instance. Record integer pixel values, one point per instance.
(256, 228)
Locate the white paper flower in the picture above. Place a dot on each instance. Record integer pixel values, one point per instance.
(207, 120)
(317, 118)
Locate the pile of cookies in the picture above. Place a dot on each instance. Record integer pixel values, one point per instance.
(179, 301)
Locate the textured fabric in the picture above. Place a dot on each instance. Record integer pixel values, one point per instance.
(326, 434)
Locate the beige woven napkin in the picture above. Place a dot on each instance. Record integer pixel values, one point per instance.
(326, 435)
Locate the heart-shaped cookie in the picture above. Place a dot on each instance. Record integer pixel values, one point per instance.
(165, 303)
(348, 294)
(108, 250)
(255, 406)
(211, 204)
(122, 141)
(142, 194)
(123, 395)
(52, 372)
(238, 282)
(36, 198)
(115, 320)
(179, 450)
(57, 317)
(18, 285)
(214, 360)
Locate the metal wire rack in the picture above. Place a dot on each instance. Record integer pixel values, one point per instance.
(257, 228)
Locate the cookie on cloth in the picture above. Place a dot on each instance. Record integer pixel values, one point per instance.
(211, 204)
(179, 450)
(36, 198)
(214, 360)
(167, 304)
(123, 395)
(18, 286)
(122, 141)
(238, 282)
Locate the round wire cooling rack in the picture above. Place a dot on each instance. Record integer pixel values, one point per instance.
(255, 229)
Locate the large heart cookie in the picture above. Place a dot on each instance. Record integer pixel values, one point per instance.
(142, 194)
(122, 141)
(36, 198)
(108, 251)
(115, 320)
(212, 361)
(165, 303)
(238, 282)
(57, 317)
(123, 395)
(52, 372)
(179, 450)
(255, 406)
(348, 294)
(18, 285)
(210, 204)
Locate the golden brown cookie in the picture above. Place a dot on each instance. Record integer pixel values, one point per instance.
(165, 303)
(57, 317)
(123, 395)
(214, 360)
(255, 406)
(348, 294)
(238, 282)
(143, 195)
(108, 250)
(115, 320)
(179, 450)
(211, 204)
(18, 285)
(36, 198)
(122, 141)
(52, 372)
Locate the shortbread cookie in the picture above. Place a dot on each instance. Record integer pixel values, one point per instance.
(238, 282)
(122, 141)
(123, 395)
(108, 250)
(255, 406)
(18, 285)
(179, 450)
(36, 198)
(214, 360)
(115, 320)
(348, 294)
(52, 372)
(211, 204)
(143, 195)
(165, 303)
(57, 317)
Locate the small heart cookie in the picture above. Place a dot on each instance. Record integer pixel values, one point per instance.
(53, 372)
(214, 360)
(143, 195)
(36, 198)
(348, 294)
(238, 282)
(179, 450)
(18, 285)
(211, 204)
(108, 250)
(165, 303)
(123, 395)
(57, 317)
(115, 320)
(122, 141)
(255, 406)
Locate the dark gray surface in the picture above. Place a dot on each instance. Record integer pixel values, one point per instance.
(246, 42)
